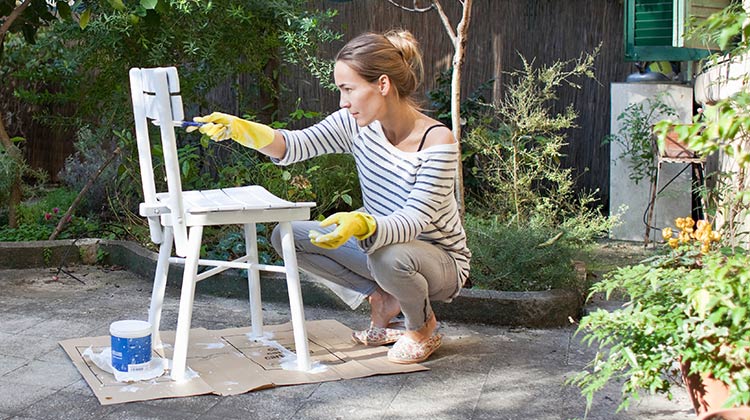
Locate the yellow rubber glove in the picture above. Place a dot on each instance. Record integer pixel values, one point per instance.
(357, 224)
(220, 126)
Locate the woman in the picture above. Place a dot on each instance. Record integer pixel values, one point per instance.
(407, 246)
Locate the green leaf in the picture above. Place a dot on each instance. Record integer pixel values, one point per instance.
(64, 10)
(700, 302)
(83, 21)
(726, 35)
(149, 4)
(117, 4)
(738, 316)
(630, 356)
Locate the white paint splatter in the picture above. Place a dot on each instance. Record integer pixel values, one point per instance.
(212, 346)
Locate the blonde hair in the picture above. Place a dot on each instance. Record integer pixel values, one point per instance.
(395, 53)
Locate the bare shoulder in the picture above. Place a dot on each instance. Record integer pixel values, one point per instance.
(438, 134)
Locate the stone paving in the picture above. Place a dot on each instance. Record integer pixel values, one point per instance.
(480, 372)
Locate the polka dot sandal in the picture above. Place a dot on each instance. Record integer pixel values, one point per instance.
(407, 351)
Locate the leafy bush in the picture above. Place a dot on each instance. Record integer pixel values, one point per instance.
(506, 257)
(527, 221)
(38, 218)
(212, 43)
(518, 154)
(228, 243)
(13, 166)
(687, 305)
(91, 150)
(9, 168)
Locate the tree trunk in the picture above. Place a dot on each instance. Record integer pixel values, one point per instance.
(459, 44)
(462, 31)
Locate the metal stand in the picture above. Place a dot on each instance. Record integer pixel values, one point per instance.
(678, 154)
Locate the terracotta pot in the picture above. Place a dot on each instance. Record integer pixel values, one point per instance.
(674, 148)
(707, 393)
(737, 413)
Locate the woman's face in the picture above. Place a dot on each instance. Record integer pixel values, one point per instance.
(363, 99)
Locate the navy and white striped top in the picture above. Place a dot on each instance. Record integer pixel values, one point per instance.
(410, 194)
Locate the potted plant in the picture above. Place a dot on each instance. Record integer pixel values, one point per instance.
(685, 309)
(670, 140)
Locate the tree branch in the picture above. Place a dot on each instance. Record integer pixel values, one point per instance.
(446, 22)
(415, 8)
(11, 17)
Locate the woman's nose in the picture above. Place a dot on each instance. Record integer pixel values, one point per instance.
(344, 103)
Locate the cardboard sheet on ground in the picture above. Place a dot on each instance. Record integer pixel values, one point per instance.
(230, 361)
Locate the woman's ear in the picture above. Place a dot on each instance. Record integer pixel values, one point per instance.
(384, 84)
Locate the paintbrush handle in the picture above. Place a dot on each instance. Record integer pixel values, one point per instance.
(185, 124)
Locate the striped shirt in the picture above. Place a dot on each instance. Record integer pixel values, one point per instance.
(410, 194)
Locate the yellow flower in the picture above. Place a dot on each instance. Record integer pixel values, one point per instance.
(715, 236)
(684, 237)
(666, 233)
(673, 242)
(705, 247)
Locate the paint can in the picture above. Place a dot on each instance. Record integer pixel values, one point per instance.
(131, 345)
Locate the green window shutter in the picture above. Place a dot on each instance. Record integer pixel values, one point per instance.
(654, 29)
(652, 23)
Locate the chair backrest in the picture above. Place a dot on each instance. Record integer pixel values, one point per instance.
(156, 97)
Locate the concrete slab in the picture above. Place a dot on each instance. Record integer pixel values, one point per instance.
(480, 372)
(550, 308)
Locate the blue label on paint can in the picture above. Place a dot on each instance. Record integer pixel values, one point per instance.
(131, 354)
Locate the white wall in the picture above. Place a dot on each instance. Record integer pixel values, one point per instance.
(675, 200)
(717, 82)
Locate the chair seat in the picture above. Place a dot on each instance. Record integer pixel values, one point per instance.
(252, 197)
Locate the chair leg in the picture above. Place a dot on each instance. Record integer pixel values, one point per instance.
(652, 205)
(253, 280)
(295, 296)
(160, 285)
(182, 335)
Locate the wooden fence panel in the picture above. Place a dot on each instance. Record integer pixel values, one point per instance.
(542, 30)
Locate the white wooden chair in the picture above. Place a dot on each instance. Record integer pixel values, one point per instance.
(178, 217)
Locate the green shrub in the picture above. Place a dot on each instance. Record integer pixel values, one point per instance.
(38, 218)
(506, 257)
(92, 149)
(527, 220)
(686, 305)
(518, 155)
(9, 168)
